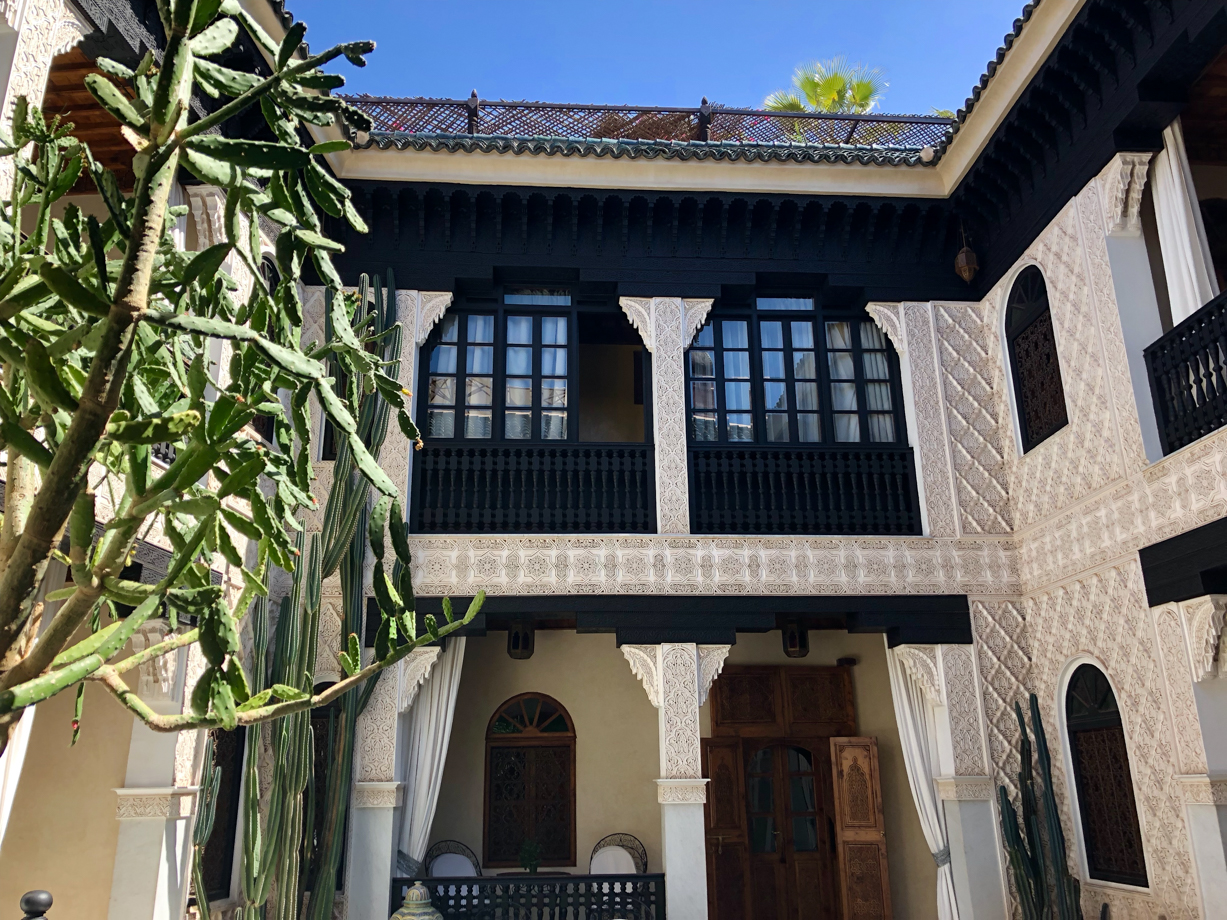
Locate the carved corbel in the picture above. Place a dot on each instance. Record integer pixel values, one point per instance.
(694, 316)
(639, 311)
(412, 671)
(645, 664)
(920, 664)
(431, 305)
(158, 676)
(711, 663)
(1123, 182)
(886, 316)
(1203, 618)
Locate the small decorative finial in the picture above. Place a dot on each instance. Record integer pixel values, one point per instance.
(473, 95)
(417, 905)
(705, 102)
(35, 904)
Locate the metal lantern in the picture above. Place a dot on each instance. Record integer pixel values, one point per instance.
(965, 264)
(417, 905)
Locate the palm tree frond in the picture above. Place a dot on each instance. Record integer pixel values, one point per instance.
(836, 86)
(783, 101)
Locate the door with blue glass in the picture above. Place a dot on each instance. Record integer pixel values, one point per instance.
(792, 858)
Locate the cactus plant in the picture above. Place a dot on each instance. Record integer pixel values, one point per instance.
(1028, 865)
(202, 830)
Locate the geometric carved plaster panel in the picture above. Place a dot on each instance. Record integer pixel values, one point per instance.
(667, 325)
(375, 755)
(963, 696)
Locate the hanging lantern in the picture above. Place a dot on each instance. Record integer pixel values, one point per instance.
(965, 264)
(417, 905)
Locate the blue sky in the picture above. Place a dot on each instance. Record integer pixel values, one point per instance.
(659, 52)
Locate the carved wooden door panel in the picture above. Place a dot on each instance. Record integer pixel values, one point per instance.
(727, 866)
(860, 829)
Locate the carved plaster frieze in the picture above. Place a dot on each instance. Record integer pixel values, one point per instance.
(377, 795)
(1123, 181)
(1203, 628)
(681, 791)
(920, 663)
(964, 788)
(155, 802)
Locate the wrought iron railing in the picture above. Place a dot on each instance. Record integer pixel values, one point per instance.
(534, 488)
(858, 489)
(572, 897)
(625, 122)
(1188, 376)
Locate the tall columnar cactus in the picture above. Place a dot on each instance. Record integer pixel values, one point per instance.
(1027, 859)
(210, 782)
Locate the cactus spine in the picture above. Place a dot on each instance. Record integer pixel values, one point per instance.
(1028, 865)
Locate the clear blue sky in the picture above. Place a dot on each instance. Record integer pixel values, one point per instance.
(659, 52)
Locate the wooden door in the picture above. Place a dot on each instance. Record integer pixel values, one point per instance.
(727, 856)
(860, 830)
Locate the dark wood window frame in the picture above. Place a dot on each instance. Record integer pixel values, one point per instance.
(229, 754)
(531, 738)
(1099, 756)
(755, 316)
(1039, 394)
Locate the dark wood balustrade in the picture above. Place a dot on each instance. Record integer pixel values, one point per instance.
(1188, 376)
(853, 489)
(534, 488)
(544, 897)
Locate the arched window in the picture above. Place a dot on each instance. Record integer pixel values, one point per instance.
(530, 783)
(1108, 811)
(1033, 359)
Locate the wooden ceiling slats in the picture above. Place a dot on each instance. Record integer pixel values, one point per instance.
(68, 98)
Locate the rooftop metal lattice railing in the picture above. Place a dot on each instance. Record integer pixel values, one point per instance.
(714, 123)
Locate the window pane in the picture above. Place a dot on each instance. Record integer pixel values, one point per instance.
(449, 326)
(520, 330)
(877, 395)
(519, 360)
(703, 395)
(554, 426)
(871, 336)
(553, 361)
(802, 335)
(706, 338)
(517, 425)
(804, 833)
(762, 834)
(803, 365)
(440, 423)
(479, 391)
(840, 363)
(775, 396)
(847, 428)
(554, 330)
(442, 391)
(735, 333)
(808, 428)
(843, 396)
(554, 393)
(519, 391)
(807, 396)
(737, 396)
(740, 426)
(785, 303)
(875, 365)
(777, 426)
(477, 423)
(702, 364)
(773, 365)
(703, 426)
(443, 359)
(772, 334)
(480, 359)
(801, 791)
(538, 296)
(800, 760)
(881, 427)
(737, 365)
(839, 335)
(481, 328)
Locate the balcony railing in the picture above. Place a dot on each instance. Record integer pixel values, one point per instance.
(626, 122)
(534, 488)
(572, 897)
(1188, 376)
(859, 489)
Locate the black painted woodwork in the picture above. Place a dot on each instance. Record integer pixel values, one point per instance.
(1188, 565)
(502, 897)
(803, 489)
(218, 858)
(559, 487)
(1033, 359)
(1106, 806)
(1187, 367)
(637, 619)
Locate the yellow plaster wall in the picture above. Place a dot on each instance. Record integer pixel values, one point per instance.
(62, 831)
(616, 760)
(913, 875)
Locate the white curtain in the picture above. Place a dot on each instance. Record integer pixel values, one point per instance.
(914, 713)
(429, 728)
(1191, 282)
